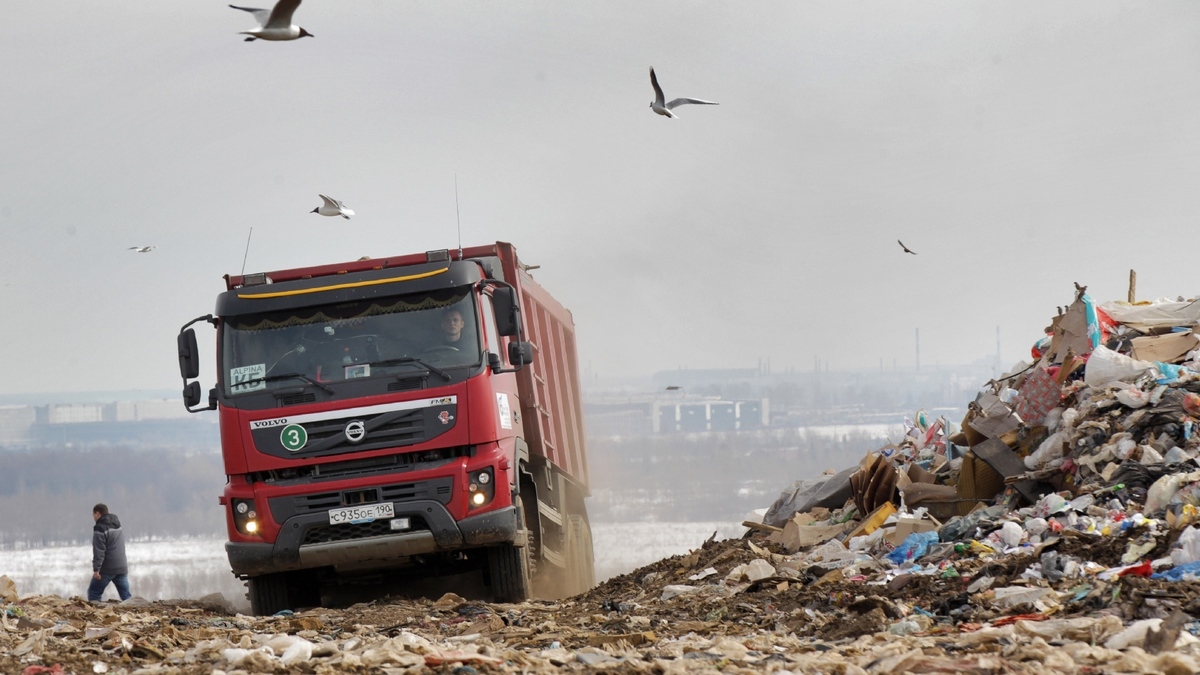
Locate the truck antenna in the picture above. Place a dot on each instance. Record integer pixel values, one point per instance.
(457, 217)
(247, 253)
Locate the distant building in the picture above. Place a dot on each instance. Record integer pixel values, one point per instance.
(162, 422)
(16, 424)
(695, 415)
(70, 413)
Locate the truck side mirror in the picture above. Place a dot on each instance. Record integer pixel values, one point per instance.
(508, 314)
(189, 358)
(520, 353)
(191, 395)
(189, 366)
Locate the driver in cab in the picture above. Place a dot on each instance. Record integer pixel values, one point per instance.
(452, 329)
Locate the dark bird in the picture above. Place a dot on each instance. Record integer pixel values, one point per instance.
(906, 249)
(674, 387)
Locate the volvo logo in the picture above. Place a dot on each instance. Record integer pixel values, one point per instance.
(355, 431)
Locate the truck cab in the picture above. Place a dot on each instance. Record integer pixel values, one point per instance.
(397, 417)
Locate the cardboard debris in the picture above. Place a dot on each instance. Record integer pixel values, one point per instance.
(874, 483)
(977, 481)
(1039, 395)
(1168, 348)
(906, 525)
(1006, 464)
(798, 533)
(994, 419)
(872, 522)
(942, 501)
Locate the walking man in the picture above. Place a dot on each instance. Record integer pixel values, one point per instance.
(108, 555)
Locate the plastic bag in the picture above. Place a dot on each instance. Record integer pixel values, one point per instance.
(1050, 450)
(914, 546)
(963, 527)
(1133, 397)
(1105, 366)
(1168, 373)
(1050, 504)
(1036, 526)
(1186, 572)
(1162, 491)
(1011, 534)
(1188, 550)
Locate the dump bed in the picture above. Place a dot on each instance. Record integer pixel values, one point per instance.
(551, 408)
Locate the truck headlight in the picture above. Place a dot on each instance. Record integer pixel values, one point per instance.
(245, 517)
(480, 488)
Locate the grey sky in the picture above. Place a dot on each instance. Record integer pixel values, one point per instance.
(1017, 147)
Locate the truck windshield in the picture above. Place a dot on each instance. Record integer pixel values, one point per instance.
(312, 346)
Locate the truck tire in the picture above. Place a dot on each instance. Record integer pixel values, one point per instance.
(582, 556)
(509, 569)
(268, 594)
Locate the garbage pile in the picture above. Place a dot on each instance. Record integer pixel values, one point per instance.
(1069, 478)
(1053, 530)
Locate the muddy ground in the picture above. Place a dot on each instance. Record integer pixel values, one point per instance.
(806, 620)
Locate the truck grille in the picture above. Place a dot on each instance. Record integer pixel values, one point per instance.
(408, 429)
(404, 426)
(322, 534)
(434, 489)
(296, 399)
(363, 467)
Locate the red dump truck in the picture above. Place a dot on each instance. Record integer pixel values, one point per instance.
(397, 418)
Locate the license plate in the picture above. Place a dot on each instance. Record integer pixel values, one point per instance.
(361, 514)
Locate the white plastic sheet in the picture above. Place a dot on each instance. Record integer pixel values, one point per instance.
(1105, 366)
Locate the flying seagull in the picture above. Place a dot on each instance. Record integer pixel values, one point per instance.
(274, 24)
(142, 249)
(906, 249)
(332, 207)
(665, 108)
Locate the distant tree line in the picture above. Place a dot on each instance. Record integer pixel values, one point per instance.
(709, 476)
(46, 495)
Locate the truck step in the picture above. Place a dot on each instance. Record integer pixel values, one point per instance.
(554, 557)
(550, 513)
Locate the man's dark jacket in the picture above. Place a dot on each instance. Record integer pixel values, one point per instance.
(108, 546)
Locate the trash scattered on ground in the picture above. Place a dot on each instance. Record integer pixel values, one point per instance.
(1053, 529)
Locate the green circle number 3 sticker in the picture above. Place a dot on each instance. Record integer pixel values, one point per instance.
(293, 437)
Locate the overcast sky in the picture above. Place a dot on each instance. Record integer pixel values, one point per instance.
(1017, 147)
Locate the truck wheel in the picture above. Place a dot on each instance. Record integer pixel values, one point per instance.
(268, 594)
(582, 557)
(509, 569)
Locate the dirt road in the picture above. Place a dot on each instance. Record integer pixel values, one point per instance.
(673, 616)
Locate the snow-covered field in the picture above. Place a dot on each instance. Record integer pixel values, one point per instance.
(193, 568)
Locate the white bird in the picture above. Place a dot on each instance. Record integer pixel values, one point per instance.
(274, 24)
(665, 109)
(332, 207)
(142, 249)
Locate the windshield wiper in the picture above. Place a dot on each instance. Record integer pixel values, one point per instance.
(287, 376)
(412, 359)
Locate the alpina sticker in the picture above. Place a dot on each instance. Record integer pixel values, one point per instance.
(505, 411)
(247, 378)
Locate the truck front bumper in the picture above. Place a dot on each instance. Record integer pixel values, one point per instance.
(289, 553)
